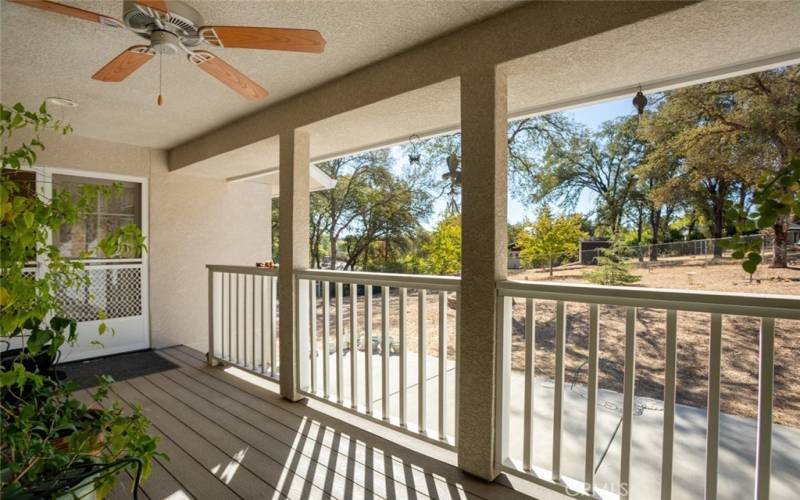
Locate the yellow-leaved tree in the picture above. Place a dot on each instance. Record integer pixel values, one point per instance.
(442, 254)
(549, 239)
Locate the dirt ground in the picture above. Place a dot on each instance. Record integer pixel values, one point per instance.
(723, 275)
(740, 336)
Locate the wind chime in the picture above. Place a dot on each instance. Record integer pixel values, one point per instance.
(453, 175)
(414, 155)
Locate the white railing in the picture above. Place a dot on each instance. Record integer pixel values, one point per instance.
(381, 381)
(242, 317)
(767, 308)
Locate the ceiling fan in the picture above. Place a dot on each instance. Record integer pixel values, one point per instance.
(174, 27)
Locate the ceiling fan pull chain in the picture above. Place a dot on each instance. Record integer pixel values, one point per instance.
(160, 99)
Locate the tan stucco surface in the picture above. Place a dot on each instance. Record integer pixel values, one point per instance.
(553, 52)
(294, 214)
(69, 51)
(483, 262)
(193, 221)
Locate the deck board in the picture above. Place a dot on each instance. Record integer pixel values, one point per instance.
(229, 438)
(322, 442)
(264, 433)
(381, 464)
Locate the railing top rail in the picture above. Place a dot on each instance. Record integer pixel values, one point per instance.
(261, 271)
(732, 303)
(446, 283)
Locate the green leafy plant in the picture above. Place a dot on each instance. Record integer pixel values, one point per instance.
(48, 433)
(26, 221)
(612, 268)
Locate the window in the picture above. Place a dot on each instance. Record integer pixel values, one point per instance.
(122, 207)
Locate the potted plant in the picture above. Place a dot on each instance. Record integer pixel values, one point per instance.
(53, 445)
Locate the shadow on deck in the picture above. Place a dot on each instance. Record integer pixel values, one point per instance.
(231, 438)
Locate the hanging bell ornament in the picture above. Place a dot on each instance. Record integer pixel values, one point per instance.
(640, 101)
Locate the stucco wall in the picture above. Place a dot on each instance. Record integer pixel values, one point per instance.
(193, 221)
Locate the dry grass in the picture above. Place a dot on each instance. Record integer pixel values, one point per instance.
(740, 336)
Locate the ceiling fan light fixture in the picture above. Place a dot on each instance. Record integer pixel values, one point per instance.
(61, 102)
(164, 42)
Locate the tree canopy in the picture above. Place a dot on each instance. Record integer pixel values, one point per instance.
(671, 173)
(549, 239)
(442, 254)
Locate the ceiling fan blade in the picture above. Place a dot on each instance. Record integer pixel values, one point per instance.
(159, 5)
(68, 10)
(246, 37)
(122, 66)
(227, 74)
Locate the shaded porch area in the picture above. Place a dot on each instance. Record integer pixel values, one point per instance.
(229, 434)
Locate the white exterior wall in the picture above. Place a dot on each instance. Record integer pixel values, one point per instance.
(193, 221)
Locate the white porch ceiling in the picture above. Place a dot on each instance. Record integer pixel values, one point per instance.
(58, 57)
(687, 43)
(45, 54)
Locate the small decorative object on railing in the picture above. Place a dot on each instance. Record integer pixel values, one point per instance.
(267, 264)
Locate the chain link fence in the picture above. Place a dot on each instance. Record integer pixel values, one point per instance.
(707, 249)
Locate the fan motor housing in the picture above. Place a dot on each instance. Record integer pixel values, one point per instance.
(165, 30)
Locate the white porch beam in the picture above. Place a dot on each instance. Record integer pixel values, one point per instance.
(525, 30)
(483, 263)
(294, 255)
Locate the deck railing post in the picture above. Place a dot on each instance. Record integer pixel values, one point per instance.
(210, 356)
(294, 252)
(484, 145)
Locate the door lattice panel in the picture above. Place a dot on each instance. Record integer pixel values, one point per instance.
(117, 292)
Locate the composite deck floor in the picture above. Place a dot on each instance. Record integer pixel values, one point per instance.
(229, 438)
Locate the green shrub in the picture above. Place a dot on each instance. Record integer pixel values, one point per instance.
(612, 268)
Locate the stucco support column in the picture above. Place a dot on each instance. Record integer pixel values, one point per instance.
(294, 255)
(483, 253)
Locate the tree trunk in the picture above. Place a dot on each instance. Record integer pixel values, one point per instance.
(719, 224)
(779, 245)
(639, 227)
(550, 263)
(655, 225)
(332, 235)
(690, 227)
(718, 208)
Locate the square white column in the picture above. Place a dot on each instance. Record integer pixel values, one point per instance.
(294, 255)
(484, 150)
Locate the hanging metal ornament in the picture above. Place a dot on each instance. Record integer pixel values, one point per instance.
(453, 173)
(454, 176)
(640, 102)
(414, 155)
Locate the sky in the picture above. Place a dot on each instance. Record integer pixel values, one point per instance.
(590, 116)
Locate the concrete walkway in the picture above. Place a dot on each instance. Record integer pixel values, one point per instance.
(737, 434)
